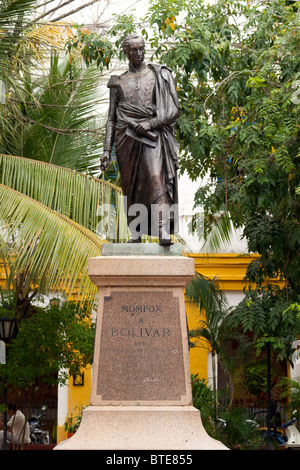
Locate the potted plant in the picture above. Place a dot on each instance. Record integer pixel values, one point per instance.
(73, 421)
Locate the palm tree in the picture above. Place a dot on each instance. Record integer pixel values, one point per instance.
(59, 213)
(53, 233)
(56, 118)
(50, 204)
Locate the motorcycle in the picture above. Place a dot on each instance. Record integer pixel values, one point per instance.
(37, 435)
(292, 433)
(277, 435)
(286, 436)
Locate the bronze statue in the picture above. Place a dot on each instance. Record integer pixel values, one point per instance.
(143, 110)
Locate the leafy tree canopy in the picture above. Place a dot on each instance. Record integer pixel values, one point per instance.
(236, 66)
(55, 337)
(237, 71)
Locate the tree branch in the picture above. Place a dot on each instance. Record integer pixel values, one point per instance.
(37, 103)
(74, 11)
(53, 10)
(43, 4)
(60, 131)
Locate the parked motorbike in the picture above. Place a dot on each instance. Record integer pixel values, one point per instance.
(277, 435)
(37, 435)
(292, 433)
(287, 435)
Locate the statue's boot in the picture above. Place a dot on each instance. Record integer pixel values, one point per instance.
(163, 225)
(135, 238)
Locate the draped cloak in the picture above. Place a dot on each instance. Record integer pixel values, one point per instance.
(148, 163)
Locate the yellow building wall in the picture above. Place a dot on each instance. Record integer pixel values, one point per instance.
(229, 271)
(198, 354)
(77, 393)
(78, 397)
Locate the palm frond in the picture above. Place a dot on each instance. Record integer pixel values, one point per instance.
(13, 14)
(11, 10)
(39, 39)
(53, 115)
(21, 37)
(219, 233)
(88, 201)
(205, 293)
(49, 248)
(202, 336)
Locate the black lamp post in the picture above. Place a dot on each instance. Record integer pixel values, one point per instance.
(269, 443)
(8, 327)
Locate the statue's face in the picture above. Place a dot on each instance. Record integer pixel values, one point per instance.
(136, 51)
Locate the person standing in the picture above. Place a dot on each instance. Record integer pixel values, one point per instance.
(17, 427)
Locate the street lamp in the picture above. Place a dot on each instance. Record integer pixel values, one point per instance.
(8, 329)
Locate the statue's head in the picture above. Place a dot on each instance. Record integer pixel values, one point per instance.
(134, 49)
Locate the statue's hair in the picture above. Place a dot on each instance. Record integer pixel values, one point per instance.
(126, 41)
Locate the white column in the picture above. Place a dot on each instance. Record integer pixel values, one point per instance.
(62, 403)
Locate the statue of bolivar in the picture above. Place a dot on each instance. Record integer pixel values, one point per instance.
(143, 110)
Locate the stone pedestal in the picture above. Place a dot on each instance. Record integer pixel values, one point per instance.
(141, 391)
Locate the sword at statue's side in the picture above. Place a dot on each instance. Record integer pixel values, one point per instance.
(103, 167)
(103, 187)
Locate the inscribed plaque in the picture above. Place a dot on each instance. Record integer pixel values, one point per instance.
(141, 355)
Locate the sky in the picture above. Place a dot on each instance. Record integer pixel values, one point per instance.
(103, 9)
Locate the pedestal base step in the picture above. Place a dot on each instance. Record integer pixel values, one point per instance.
(141, 428)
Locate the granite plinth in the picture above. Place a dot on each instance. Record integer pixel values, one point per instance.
(141, 345)
(141, 395)
(141, 271)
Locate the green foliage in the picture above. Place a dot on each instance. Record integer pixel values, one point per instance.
(237, 66)
(81, 205)
(54, 117)
(54, 338)
(202, 394)
(43, 250)
(271, 318)
(256, 377)
(13, 14)
(205, 293)
(72, 422)
(237, 70)
(93, 48)
(122, 25)
(98, 49)
(239, 430)
(203, 400)
(212, 329)
(291, 389)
